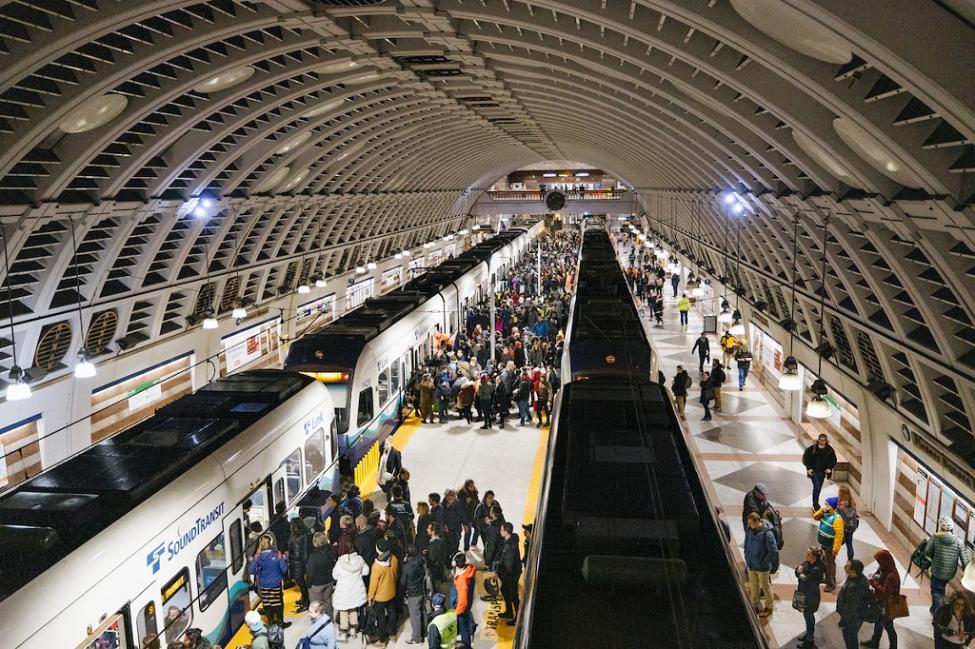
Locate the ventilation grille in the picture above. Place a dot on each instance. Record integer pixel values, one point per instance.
(53, 345)
(100, 332)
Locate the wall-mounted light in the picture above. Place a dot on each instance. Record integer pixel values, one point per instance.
(84, 368)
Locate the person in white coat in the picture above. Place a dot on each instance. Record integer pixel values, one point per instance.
(349, 593)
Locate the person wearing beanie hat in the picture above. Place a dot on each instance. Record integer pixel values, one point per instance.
(756, 501)
(830, 537)
(947, 552)
(442, 630)
(258, 631)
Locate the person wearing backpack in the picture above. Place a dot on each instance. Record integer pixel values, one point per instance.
(811, 575)
(718, 377)
(679, 386)
(263, 637)
(855, 604)
(321, 631)
(847, 509)
(946, 552)
(830, 537)
(761, 558)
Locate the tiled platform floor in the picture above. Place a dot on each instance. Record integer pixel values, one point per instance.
(752, 440)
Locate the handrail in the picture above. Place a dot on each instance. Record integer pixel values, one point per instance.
(571, 194)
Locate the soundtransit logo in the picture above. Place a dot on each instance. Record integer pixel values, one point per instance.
(184, 539)
(154, 557)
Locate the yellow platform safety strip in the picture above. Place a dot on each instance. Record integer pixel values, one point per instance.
(365, 477)
(493, 627)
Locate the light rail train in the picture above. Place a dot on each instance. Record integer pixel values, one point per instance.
(366, 357)
(145, 532)
(107, 543)
(626, 532)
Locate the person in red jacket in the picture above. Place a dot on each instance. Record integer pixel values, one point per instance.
(886, 584)
(462, 594)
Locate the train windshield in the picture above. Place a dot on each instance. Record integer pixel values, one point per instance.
(338, 388)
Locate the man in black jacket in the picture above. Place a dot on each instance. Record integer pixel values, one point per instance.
(453, 514)
(365, 540)
(437, 559)
(756, 501)
(508, 569)
(703, 349)
(318, 572)
(819, 460)
(853, 603)
(679, 389)
(718, 378)
(412, 579)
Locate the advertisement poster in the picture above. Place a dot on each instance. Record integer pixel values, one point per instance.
(920, 495)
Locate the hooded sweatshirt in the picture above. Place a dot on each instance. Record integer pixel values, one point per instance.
(349, 591)
(886, 582)
(463, 585)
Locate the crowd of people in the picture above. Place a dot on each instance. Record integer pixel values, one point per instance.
(364, 571)
(531, 311)
(860, 599)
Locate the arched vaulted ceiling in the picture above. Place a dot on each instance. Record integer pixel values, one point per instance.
(326, 132)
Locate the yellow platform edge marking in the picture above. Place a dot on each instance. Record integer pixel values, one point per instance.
(366, 479)
(506, 634)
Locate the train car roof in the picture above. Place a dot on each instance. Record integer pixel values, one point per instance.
(54, 513)
(623, 532)
(337, 344)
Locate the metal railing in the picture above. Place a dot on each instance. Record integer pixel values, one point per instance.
(571, 194)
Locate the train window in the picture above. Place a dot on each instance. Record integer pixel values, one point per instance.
(145, 625)
(383, 387)
(259, 511)
(394, 375)
(292, 474)
(211, 571)
(110, 635)
(237, 545)
(365, 407)
(279, 494)
(333, 438)
(176, 602)
(314, 455)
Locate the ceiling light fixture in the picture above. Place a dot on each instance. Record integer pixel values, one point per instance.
(94, 113)
(210, 322)
(226, 79)
(17, 387)
(84, 368)
(304, 288)
(240, 311)
(818, 407)
(371, 265)
(790, 381)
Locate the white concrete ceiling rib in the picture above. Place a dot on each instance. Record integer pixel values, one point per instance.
(439, 102)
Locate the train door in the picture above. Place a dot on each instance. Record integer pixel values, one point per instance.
(235, 535)
(113, 633)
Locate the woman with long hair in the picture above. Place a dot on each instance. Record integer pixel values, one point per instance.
(811, 574)
(847, 509)
(269, 570)
(954, 623)
(469, 500)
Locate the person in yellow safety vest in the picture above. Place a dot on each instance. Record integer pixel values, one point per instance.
(683, 306)
(728, 343)
(442, 631)
(830, 537)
